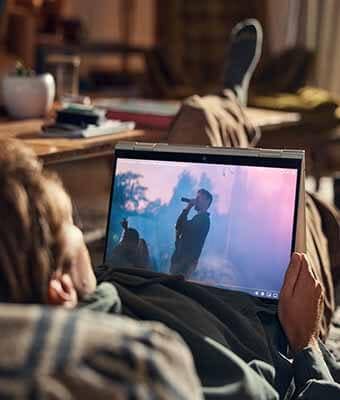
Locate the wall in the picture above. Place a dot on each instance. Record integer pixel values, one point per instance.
(104, 20)
(282, 24)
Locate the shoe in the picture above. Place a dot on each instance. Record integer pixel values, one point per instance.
(243, 55)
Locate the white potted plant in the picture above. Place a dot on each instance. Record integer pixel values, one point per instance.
(26, 95)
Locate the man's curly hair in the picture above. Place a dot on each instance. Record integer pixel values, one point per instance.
(33, 209)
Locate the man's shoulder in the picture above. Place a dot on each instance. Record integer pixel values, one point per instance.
(202, 216)
(79, 342)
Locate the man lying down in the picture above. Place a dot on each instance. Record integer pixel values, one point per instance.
(237, 343)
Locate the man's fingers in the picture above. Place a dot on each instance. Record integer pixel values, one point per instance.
(292, 273)
(67, 284)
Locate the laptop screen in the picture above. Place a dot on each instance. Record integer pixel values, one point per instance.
(228, 222)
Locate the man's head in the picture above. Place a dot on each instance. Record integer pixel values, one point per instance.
(38, 241)
(203, 200)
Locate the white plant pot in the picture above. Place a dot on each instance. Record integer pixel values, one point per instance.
(28, 96)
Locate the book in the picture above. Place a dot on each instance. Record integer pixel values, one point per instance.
(145, 113)
(108, 127)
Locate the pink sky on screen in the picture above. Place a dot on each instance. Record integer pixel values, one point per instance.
(263, 184)
(274, 188)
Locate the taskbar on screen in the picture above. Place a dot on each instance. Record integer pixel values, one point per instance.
(261, 293)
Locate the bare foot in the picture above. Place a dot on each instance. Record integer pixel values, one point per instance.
(301, 304)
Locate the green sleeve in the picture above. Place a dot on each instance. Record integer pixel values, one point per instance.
(104, 299)
(313, 379)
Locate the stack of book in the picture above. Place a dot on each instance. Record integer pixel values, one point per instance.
(145, 113)
(79, 121)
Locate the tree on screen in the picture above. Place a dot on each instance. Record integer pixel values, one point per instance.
(129, 193)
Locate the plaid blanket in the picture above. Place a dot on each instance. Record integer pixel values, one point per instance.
(56, 354)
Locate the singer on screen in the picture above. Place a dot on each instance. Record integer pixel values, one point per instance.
(191, 234)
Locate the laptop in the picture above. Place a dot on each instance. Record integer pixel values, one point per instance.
(228, 218)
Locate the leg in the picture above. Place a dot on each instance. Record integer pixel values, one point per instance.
(242, 57)
(219, 120)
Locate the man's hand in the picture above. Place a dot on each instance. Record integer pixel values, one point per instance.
(75, 261)
(191, 204)
(61, 291)
(301, 304)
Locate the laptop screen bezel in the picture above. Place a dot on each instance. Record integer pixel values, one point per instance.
(208, 158)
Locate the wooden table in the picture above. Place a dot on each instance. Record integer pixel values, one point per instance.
(85, 165)
(61, 150)
(279, 130)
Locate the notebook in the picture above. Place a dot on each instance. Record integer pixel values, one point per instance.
(222, 217)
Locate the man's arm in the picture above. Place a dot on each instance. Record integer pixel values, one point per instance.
(312, 376)
(183, 218)
(300, 311)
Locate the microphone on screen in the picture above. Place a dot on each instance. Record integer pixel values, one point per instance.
(185, 199)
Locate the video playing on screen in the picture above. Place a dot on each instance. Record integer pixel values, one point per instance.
(227, 226)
